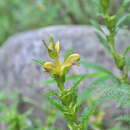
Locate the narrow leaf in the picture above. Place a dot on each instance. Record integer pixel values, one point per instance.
(104, 42)
(68, 78)
(87, 114)
(39, 61)
(127, 50)
(96, 67)
(101, 80)
(82, 97)
(122, 19)
(53, 94)
(75, 85)
(56, 103)
(97, 26)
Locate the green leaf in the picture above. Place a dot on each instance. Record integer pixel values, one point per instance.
(3, 118)
(126, 51)
(48, 82)
(82, 97)
(75, 85)
(128, 64)
(125, 2)
(97, 26)
(104, 42)
(122, 19)
(39, 61)
(87, 114)
(68, 78)
(96, 67)
(53, 94)
(102, 80)
(56, 103)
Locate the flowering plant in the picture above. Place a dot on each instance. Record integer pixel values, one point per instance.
(67, 98)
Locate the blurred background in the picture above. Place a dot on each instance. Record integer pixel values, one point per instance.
(24, 15)
(18, 16)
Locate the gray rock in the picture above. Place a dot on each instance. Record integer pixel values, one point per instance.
(19, 73)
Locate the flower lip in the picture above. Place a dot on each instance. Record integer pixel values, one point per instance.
(72, 60)
(49, 67)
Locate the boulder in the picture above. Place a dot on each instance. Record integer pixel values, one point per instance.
(19, 73)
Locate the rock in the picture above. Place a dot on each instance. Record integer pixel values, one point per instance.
(19, 73)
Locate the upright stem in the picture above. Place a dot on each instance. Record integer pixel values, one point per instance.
(69, 113)
(120, 63)
(119, 59)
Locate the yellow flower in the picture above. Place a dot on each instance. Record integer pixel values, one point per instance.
(57, 67)
(72, 60)
(49, 67)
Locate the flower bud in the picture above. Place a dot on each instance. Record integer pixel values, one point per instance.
(57, 47)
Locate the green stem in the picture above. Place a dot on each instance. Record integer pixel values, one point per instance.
(124, 74)
(69, 113)
(124, 77)
(119, 59)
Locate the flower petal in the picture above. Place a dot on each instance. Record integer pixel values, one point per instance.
(57, 47)
(72, 60)
(49, 67)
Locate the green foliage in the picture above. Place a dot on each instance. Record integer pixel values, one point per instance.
(116, 89)
(39, 62)
(81, 110)
(112, 23)
(17, 16)
(67, 100)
